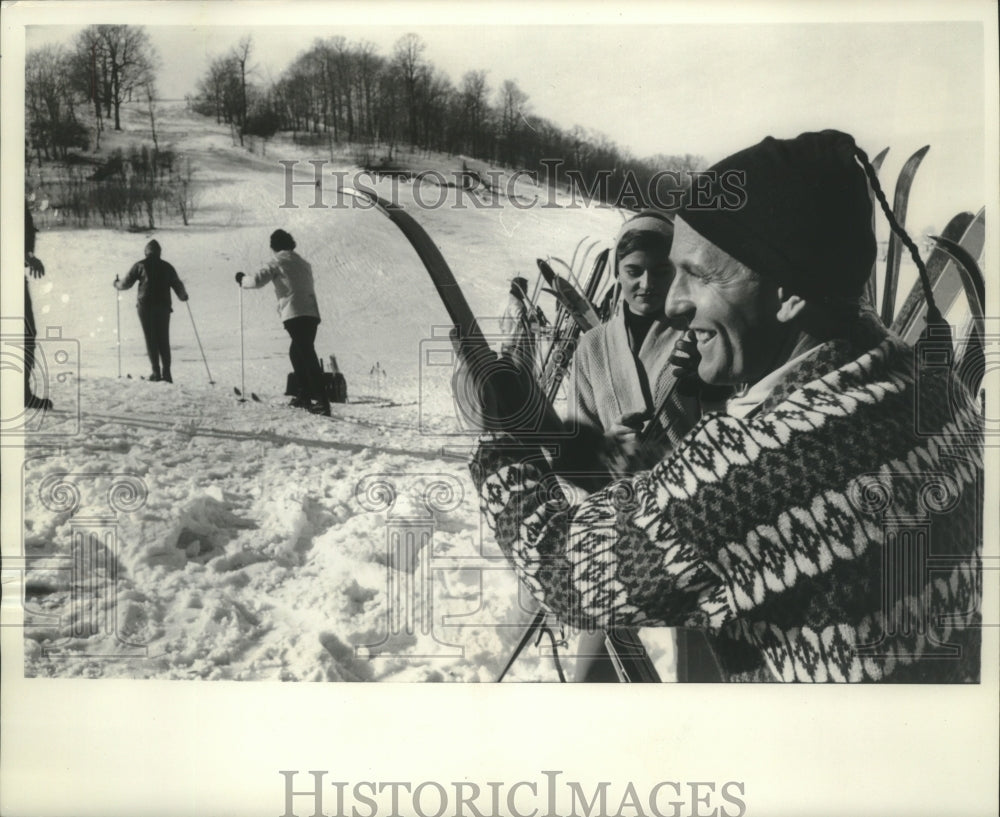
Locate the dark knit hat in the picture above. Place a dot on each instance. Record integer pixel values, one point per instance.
(281, 240)
(805, 219)
(153, 248)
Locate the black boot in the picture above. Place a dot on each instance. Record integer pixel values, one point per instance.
(321, 407)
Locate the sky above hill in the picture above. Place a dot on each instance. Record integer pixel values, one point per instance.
(654, 87)
(661, 88)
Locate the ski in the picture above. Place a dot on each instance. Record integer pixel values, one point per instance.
(879, 158)
(971, 276)
(562, 340)
(899, 204)
(597, 275)
(576, 252)
(969, 232)
(243, 399)
(473, 345)
(563, 355)
(533, 311)
(629, 657)
(441, 275)
(871, 288)
(574, 302)
(583, 263)
(970, 362)
(572, 277)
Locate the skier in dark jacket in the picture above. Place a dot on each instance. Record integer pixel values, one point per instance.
(37, 270)
(155, 278)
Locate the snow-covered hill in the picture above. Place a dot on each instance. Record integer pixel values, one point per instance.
(175, 532)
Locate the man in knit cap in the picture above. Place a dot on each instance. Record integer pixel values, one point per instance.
(815, 530)
(624, 387)
(155, 278)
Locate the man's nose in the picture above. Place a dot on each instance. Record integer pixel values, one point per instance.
(679, 304)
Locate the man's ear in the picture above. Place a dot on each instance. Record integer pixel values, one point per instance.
(789, 306)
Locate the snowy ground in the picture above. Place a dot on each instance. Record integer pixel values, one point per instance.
(175, 532)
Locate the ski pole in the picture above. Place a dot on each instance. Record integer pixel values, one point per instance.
(118, 325)
(193, 326)
(536, 629)
(243, 385)
(529, 632)
(647, 434)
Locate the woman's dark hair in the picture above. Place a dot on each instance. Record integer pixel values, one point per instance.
(280, 240)
(641, 241)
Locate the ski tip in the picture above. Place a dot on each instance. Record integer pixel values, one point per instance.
(254, 397)
(237, 392)
(879, 158)
(919, 155)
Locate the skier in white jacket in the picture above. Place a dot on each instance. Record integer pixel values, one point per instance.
(293, 283)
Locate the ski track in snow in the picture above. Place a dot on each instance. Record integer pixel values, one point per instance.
(256, 553)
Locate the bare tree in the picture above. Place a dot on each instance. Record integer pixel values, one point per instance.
(131, 58)
(90, 74)
(149, 91)
(408, 60)
(184, 192)
(513, 104)
(241, 56)
(436, 92)
(50, 104)
(474, 95)
(344, 62)
(367, 65)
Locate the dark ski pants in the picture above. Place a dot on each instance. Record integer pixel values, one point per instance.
(156, 328)
(29, 341)
(302, 353)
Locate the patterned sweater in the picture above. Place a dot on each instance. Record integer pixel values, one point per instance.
(831, 536)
